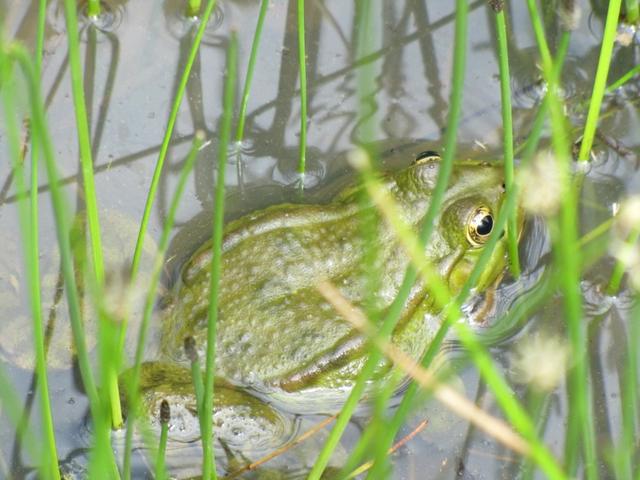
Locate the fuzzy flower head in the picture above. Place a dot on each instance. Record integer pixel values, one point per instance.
(540, 361)
(624, 245)
(628, 216)
(540, 185)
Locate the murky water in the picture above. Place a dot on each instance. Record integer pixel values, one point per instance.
(133, 57)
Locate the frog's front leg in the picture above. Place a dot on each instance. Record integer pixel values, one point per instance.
(242, 422)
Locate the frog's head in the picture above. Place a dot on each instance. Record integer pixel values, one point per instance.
(467, 219)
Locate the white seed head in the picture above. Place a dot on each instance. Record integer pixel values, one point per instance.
(358, 159)
(540, 185)
(625, 34)
(540, 361)
(629, 255)
(570, 15)
(628, 216)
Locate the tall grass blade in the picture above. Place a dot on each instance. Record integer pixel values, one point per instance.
(103, 458)
(165, 416)
(580, 428)
(302, 65)
(208, 461)
(164, 148)
(632, 10)
(507, 132)
(193, 8)
(84, 141)
(162, 155)
(158, 263)
(623, 79)
(366, 41)
(444, 173)
(250, 68)
(93, 8)
(48, 466)
(600, 82)
(529, 147)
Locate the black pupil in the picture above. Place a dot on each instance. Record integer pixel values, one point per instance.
(485, 225)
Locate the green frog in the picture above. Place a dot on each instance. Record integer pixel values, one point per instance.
(278, 339)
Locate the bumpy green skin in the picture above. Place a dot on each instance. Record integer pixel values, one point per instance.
(275, 332)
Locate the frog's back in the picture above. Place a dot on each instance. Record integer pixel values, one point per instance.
(272, 321)
(275, 330)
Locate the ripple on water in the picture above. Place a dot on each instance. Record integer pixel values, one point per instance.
(315, 171)
(179, 24)
(111, 16)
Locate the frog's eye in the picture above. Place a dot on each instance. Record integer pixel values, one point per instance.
(424, 157)
(479, 226)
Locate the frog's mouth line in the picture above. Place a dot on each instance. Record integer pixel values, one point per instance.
(484, 305)
(347, 347)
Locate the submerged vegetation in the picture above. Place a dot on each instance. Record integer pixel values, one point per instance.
(547, 158)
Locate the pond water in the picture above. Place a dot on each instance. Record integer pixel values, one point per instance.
(133, 57)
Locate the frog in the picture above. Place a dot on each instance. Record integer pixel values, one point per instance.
(278, 339)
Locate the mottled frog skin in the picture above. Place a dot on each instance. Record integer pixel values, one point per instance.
(276, 334)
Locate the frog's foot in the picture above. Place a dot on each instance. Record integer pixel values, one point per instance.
(242, 423)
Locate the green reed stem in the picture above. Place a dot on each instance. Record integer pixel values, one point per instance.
(42, 20)
(394, 311)
(302, 62)
(164, 148)
(507, 128)
(41, 133)
(86, 160)
(623, 79)
(633, 11)
(49, 458)
(34, 265)
(193, 8)
(530, 146)
(84, 140)
(366, 41)
(629, 391)
(196, 378)
(165, 416)
(208, 461)
(250, 68)
(158, 264)
(93, 8)
(600, 81)
(580, 428)
(369, 221)
(196, 371)
(446, 166)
